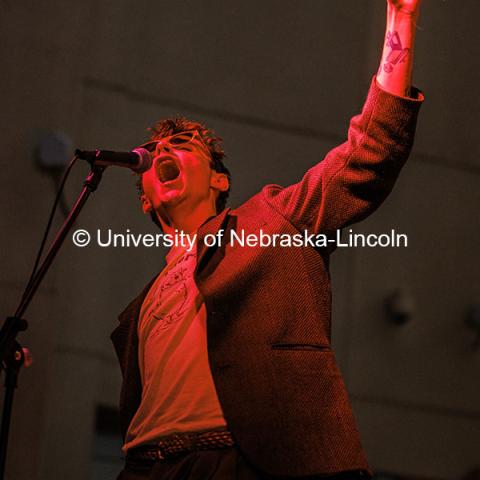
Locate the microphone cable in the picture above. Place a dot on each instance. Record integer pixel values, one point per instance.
(58, 197)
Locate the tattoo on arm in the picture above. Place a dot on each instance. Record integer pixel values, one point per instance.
(397, 54)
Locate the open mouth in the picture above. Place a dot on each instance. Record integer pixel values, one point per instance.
(167, 170)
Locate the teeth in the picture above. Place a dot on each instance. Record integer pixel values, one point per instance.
(167, 170)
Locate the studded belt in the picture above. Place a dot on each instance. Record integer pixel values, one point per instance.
(177, 444)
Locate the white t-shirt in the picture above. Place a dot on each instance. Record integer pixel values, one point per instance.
(178, 391)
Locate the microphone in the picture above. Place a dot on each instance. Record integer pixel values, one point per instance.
(139, 160)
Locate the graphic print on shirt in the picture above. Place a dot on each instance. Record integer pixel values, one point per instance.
(171, 296)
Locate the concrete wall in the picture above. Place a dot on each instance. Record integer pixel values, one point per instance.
(278, 81)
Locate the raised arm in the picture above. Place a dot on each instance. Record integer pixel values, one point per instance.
(356, 177)
(395, 72)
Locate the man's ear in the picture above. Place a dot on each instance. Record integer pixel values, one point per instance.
(146, 204)
(219, 181)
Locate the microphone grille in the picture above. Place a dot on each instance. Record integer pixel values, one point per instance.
(144, 160)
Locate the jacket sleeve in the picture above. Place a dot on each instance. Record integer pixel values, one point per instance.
(355, 177)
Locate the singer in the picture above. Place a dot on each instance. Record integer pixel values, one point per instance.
(228, 371)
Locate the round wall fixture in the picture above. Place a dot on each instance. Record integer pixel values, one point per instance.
(400, 306)
(53, 151)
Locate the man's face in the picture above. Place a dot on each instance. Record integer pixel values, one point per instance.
(181, 172)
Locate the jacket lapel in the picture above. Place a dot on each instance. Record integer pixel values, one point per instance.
(210, 227)
(123, 337)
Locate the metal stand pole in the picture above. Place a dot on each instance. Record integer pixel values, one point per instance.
(12, 355)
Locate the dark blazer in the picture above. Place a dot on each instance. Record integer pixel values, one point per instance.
(269, 309)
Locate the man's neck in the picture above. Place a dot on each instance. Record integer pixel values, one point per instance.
(184, 218)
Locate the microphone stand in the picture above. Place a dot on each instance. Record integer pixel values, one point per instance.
(12, 355)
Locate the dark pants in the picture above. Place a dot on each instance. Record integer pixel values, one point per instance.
(221, 464)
